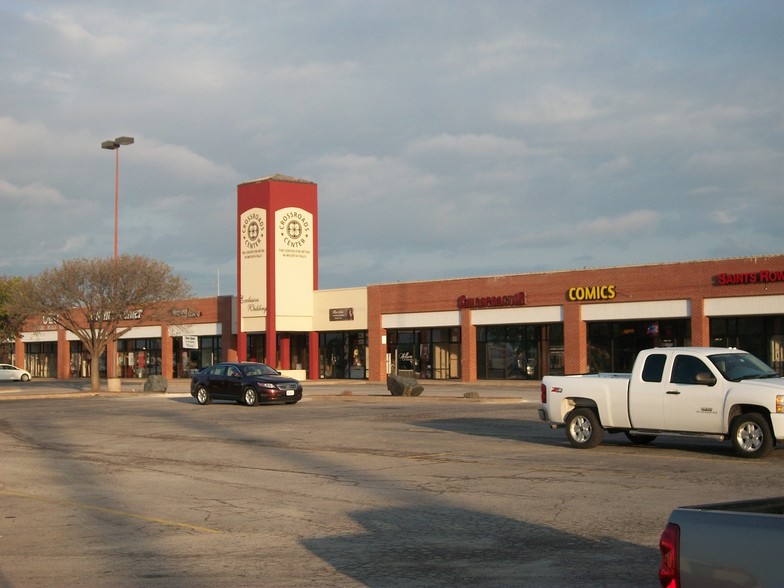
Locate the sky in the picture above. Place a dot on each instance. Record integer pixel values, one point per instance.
(448, 138)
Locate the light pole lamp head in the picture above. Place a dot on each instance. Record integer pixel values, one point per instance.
(117, 142)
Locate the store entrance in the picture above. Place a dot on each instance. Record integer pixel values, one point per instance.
(343, 354)
(432, 354)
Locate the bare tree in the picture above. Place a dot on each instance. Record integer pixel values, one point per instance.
(10, 322)
(94, 298)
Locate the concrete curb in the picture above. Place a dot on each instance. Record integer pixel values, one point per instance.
(347, 390)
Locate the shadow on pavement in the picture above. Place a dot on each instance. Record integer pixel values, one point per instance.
(445, 546)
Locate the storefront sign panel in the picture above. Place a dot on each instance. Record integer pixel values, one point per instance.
(762, 277)
(588, 293)
(341, 314)
(517, 299)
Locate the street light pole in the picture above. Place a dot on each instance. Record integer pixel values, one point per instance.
(115, 146)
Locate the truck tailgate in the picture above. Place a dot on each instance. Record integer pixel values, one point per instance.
(721, 548)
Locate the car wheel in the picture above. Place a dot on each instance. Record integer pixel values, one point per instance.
(251, 397)
(25, 378)
(639, 438)
(202, 396)
(751, 436)
(583, 428)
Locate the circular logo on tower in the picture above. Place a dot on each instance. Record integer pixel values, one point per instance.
(252, 231)
(294, 229)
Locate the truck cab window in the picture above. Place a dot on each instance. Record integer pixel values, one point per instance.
(686, 368)
(654, 368)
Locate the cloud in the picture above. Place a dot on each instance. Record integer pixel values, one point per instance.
(29, 195)
(18, 138)
(70, 30)
(623, 227)
(500, 55)
(558, 105)
(183, 162)
(485, 145)
(460, 140)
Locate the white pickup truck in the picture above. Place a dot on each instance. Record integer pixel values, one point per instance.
(706, 391)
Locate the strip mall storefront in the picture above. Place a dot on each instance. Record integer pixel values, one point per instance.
(203, 335)
(515, 327)
(529, 325)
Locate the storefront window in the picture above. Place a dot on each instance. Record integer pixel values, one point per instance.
(79, 361)
(519, 352)
(343, 354)
(41, 359)
(425, 353)
(613, 346)
(138, 358)
(189, 361)
(761, 335)
(298, 351)
(257, 347)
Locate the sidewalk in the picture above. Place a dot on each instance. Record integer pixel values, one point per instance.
(520, 390)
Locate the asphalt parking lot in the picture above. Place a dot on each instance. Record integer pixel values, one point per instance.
(350, 487)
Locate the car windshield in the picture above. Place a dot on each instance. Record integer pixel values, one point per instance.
(742, 366)
(259, 369)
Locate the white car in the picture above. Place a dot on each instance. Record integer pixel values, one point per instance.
(11, 372)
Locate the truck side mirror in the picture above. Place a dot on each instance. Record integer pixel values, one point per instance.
(705, 378)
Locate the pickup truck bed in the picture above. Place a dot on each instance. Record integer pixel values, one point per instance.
(731, 544)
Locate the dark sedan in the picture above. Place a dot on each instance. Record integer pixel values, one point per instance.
(246, 383)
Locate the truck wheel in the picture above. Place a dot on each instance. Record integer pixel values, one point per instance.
(583, 428)
(639, 438)
(751, 436)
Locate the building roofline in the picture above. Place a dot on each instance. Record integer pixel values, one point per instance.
(278, 178)
(753, 258)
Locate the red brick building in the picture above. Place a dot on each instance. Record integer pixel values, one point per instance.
(204, 334)
(528, 325)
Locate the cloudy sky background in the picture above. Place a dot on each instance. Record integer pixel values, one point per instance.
(447, 138)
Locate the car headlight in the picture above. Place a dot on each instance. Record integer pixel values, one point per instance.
(266, 385)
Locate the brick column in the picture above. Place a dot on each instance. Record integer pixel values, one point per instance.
(168, 369)
(575, 340)
(111, 360)
(700, 324)
(467, 346)
(63, 355)
(19, 353)
(377, 351)
(377, 347)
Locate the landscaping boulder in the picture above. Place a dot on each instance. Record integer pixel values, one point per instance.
(400, 386)
(156, 383)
